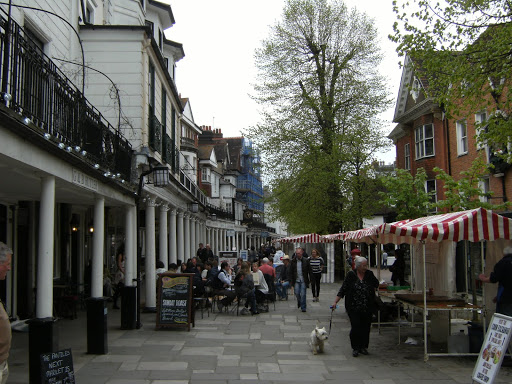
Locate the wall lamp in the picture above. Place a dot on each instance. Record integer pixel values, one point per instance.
(193, 207)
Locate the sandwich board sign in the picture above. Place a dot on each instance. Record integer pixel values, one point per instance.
(493, 349)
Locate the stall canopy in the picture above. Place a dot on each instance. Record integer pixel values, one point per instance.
(473, 225)
(308, 239)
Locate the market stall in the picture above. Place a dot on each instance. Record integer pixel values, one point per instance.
(476, 225)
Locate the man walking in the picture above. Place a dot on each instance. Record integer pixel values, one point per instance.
(300, 272)
(5, 325)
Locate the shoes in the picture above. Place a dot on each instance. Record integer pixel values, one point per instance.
(363, 351)
(282, 298)
(244, 311)
(315, 299)
(304, 310)
(355, 353)
(115, 306)
(298, 305)
(220, 306)
(255, 313)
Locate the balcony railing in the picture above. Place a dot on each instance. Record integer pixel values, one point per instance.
(40, 91)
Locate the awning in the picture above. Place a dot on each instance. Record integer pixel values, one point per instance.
(473, 225)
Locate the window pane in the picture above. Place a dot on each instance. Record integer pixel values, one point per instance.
(429, 130)
(429, 147)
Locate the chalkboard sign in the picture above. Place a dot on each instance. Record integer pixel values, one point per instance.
(57, 367)
(174, 301)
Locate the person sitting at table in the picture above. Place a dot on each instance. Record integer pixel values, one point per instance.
(244, 288)
(173, 268)
(160, 268)
(261, 287)
(267, 268)
(283, 280)
(221, 286)
(199, 283)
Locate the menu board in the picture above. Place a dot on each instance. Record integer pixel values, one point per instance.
(493, 349)
(57, 367)
(174, 300)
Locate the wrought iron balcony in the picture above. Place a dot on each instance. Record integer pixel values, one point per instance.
(34, 87)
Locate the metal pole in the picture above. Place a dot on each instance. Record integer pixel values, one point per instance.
(137, 279)
(5, 70)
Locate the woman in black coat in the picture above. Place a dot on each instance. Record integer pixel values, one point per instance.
(359, 291)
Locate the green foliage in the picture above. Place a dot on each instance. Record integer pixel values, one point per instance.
(462, 50)
(465, 193)
(406, 194)
(321, 95)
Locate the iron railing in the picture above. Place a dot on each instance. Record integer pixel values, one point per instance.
(39, 90)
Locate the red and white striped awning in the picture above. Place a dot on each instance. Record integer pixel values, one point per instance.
(365, 235)
(309, 238)
(473, 225)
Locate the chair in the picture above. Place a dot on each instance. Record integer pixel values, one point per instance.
(271, 295)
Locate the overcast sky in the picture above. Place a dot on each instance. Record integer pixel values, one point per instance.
(219, 38)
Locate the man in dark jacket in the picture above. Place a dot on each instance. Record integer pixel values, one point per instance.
(300, 272)
(502, 274)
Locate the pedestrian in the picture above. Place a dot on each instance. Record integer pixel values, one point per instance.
(384, 260)
(300, 272)
(359, 291)
(5, 325)
(398, 268)
(202, 253)
(317, 265)
(502, 274)
(252, 255)
(209, 252)
(119, 276)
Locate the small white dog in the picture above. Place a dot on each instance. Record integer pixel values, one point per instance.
(318, 336)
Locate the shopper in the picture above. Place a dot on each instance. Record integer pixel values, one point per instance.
(359, 291)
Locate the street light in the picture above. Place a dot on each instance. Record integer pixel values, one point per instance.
(131, 294)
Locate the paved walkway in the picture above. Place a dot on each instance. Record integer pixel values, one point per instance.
(268, 348)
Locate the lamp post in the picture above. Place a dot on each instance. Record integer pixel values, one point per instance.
(160, 180)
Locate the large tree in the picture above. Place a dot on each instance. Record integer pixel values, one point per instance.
(463, 48)
(321, 94)
(406, 194)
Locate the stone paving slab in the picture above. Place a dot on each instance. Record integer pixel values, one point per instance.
(269, 348)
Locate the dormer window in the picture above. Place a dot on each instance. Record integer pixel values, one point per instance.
(416, 87)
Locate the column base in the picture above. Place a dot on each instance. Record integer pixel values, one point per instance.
(129, 308)
(42, 338)
(97, 340)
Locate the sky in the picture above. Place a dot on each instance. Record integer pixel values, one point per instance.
(219, 38)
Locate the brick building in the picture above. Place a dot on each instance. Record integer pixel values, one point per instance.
(425, 137)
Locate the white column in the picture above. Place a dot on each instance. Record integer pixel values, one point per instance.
(199, 238)
(98, 240)
(180, 237)
(217, 240)
(193, 237)
(130, 247)
(150, 282)
(173, 250)
(44, 300)
(186, 238)
(163, 255)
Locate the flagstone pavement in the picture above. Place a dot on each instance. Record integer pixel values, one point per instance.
(267, 348)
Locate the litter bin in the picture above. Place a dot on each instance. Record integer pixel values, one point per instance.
(476, 337)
